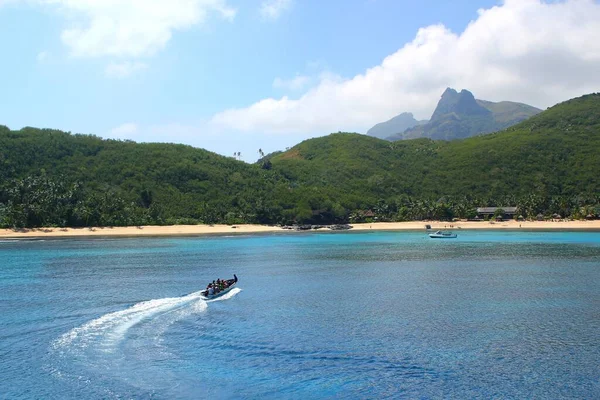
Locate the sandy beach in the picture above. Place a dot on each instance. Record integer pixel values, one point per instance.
(493, 225)
(193, 230)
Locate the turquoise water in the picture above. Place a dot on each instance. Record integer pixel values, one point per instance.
(345, 315)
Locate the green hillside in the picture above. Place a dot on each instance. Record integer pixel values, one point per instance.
(547, 164)
(553, 155)
(124, 183)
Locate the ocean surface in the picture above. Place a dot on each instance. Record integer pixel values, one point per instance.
(317, 315)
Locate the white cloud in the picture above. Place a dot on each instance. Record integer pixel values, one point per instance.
(272, 9)
(524, 50)
(298, 82)
(42, 56)
(125, 131)
(124, 69)
(129, 28)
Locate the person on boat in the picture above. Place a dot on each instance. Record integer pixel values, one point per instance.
(210, 290)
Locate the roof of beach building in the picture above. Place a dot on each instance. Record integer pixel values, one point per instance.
(491, 210)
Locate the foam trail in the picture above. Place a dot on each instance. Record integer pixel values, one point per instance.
(127, 345)
(157, 326)
(106, 332)
(226, 296)
(111, 328)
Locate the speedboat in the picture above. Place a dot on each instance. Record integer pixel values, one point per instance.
(443, 235)
(230, 285)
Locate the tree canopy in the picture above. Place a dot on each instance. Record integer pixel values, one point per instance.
(547, 164)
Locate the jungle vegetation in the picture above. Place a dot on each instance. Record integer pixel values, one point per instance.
(547, 165)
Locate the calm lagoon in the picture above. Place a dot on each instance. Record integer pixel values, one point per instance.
(347, 315)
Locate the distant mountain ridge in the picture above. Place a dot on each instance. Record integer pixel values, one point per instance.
(458, 115)
(399, 123)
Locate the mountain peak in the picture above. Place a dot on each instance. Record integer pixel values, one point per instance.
(404, 115)
(398, 124)
(449, 92)
(457, 115)
(460, 104)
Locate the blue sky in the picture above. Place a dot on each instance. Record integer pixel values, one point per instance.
(232, 75)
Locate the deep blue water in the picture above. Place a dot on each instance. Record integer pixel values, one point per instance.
(345, 315)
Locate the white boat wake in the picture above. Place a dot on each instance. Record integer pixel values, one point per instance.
(125, 346)
(105, 333)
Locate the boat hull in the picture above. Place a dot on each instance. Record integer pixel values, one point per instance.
(434, 236)
(221, 293)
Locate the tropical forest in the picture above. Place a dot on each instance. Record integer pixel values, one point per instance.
(546, 166)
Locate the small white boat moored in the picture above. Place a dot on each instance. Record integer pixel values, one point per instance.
(443, 235)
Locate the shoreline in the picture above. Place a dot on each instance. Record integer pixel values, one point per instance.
(208, 230)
